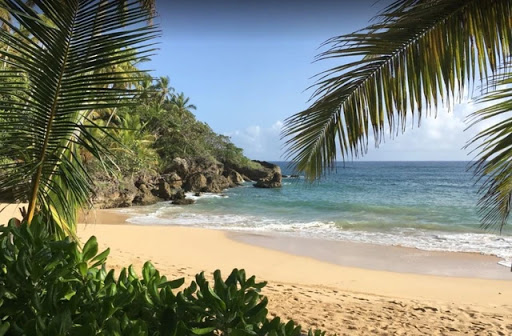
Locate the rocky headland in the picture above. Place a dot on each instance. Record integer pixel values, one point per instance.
(196, 175)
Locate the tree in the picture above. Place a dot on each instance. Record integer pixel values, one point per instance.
(417, 55)
(163, 90)
(58, 87)
(180, 105)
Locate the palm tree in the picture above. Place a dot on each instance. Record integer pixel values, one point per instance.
(415, 56)
(180, 105)
(163, 90)
(57, 85)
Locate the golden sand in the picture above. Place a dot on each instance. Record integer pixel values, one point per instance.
(339, 299)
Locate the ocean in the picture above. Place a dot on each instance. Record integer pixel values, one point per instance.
(425, 205)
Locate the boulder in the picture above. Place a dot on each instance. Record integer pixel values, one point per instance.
(205, 166)
(179, 166)
(196, 182)
(258, 170)
(173, 179)
(144, 196)
(114, 194)
(270, 182)
(183, 201)
(216, 183)
(234, 178)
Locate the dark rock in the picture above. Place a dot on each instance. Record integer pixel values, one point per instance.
(174, 180)
(273, 182)
(197, 194)
(196, 182)
(179, 166)
(144, 196)
(216, 183)
(183, 201)
(234, 178)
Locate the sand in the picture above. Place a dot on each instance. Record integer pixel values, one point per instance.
(321, 294)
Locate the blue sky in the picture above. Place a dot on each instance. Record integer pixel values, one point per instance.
(246, 64)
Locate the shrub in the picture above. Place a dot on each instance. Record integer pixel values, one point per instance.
(52, 287)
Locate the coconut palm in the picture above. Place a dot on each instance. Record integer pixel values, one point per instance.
(180, 105)
(163, 90)
(415, 56)
(55, 88)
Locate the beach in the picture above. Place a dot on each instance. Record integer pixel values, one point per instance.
(339, 299)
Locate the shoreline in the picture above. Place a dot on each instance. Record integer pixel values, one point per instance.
(399, 259)
(316, 294)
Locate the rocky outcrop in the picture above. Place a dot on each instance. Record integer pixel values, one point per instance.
(184, 175)
(196, 182)
(234, 177)
(272, 181)
(111, 193)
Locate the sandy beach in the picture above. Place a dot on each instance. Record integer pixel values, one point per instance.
(323, 293)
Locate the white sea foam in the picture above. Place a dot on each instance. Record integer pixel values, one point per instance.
(483, 243)
(193, 196)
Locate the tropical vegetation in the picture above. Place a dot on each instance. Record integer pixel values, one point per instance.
(415, 57)
(52, 287)
(73, 101)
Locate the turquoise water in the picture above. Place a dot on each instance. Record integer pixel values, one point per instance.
(426, 205)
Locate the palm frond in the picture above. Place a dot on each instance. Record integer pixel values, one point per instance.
(52, 84)
(416, 55)
(494, 161)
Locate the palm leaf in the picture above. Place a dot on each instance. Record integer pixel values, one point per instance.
(416, 55)
(51, 86)
(494, 161)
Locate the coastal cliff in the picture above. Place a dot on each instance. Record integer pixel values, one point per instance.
(196, 175)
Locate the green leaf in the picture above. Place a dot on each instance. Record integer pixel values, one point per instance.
(173, 283)
(82, 267)
(202, 331)
(4, 327)
(90, 249)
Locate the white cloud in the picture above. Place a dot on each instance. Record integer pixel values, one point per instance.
(442, 137)
(259, 142)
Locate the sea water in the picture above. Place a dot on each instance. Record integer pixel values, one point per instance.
(425, 205)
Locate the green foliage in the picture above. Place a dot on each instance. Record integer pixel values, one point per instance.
(52, 287)
(55, 53)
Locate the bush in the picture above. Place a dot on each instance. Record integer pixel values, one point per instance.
(52, 287)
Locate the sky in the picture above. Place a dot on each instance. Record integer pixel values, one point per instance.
(246, 65)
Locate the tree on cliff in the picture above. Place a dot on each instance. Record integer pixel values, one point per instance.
(415, 56)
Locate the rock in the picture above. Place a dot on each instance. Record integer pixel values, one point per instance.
(234, 178)
(273, 182)
(179, 166)
(174, 180)
(198, 194)
(259, 170)
(164, 189)
(144, 196)
(183, 201)
(216, 183)
(196, 182)
(114, 194)
(177, 194)
(205, 166)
